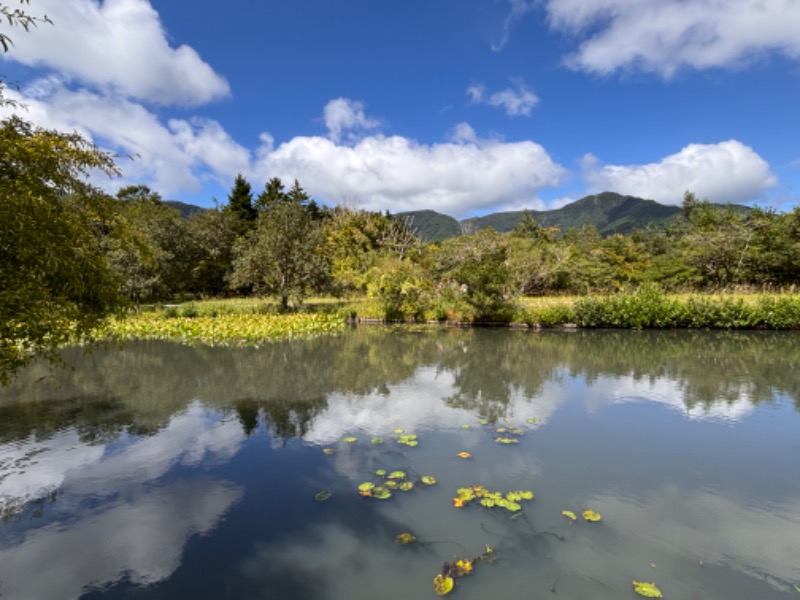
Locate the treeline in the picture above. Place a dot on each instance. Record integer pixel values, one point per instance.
(281, 243)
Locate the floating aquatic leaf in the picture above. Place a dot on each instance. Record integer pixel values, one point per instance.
(409, 439)
(465, 426)
(328, 451)
(350, 439)
(591, 516)
(399, 430)
(366, 486)
(406, 486)
(464, 455)
(463, 567)
(487, 502)
(466, 493)
(404, 539)
(501, 429)
(516, 431)
(512, 506)
(648, 590)
(428, 479)
(443, 585)
(377, 441)
(483, 422)
(569, 514)
(796, 588)
(506, 440)
(459, 502)
(532, 420)
(380, 472)
(391, 484)
(382, 493)
(397, 475)
(488, 549)
(323, 495)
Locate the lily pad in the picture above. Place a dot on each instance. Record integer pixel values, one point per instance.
(464, 455)
(405, 538)
(592, 516)
(506, 440)
(465, 426)
(532, 420)
(428, 479)
(648, 590)
(570, 515)
(443, 585)
(381, 493)
(397, 475)
(380, 472)
(350, 439)
(366, 486)
(323, 495)
(328, 451)
(463, 567)
(399, 430)
(377, 441)
(406, 486)
(501, 429)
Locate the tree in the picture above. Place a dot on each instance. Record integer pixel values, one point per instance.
(240, 204)
(272, 194)
(212, 235)
(18, 18)
(284, 257)
(55, 284)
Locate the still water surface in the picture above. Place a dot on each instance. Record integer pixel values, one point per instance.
(161, 471)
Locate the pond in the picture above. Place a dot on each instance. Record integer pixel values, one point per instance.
(154, 470)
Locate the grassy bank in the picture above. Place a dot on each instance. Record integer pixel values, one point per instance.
(254, 321)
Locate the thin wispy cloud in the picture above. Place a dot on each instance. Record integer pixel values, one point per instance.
(518, 9)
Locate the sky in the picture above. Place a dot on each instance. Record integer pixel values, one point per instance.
(461, 106)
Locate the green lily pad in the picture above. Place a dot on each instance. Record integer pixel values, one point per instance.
(399, 430)
(390, 484)
(377, 441)
(350, 439)
(428, 479)
(648, 590)
(366, 486)
(397, 475)
(532, 420)
(570, 515)
(323, 495)
(465, 426)
(380, 472)
(381, 493)
(406, 486)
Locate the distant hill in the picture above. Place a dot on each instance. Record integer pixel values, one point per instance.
(187, 210)
(430, 225)
(608, 211)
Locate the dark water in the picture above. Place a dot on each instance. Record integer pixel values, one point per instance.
(161, 471)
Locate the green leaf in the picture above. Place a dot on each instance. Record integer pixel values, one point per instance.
(377, 441)
(350, 439)
(648, 590)
(428, 479)
(366, 486)
(323, 495)
(381, 493)
(569, 514)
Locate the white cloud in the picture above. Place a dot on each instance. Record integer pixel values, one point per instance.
(518, 9)
(724, 172)
(516, 101)
(119, 46)
(662, 36)
(171, 158)
(343, 115)
(398, 174)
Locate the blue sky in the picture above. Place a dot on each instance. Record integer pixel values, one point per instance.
(461, 106)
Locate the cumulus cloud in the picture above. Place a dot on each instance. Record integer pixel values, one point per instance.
(174, 157)
(662, 36)
(119, 46)
(398, 174)
(516, 101)
(347, 117)
(724, 172)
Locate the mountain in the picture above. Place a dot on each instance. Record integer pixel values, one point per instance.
(430, 225)
(187, 210)
(609, 212)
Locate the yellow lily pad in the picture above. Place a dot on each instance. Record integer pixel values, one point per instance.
(570, 515)
(463, 567)
(443, 585)
(648, 590)
(399, 430)
(328, 451)
(506, 440)
(350, 439)
(592, 516)
(464, 455)
(405, 538)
